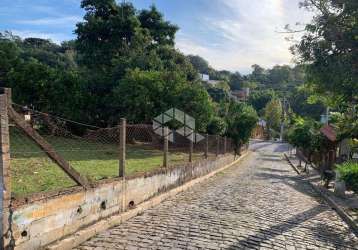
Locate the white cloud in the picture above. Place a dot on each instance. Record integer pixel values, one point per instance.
(54, 21)
(248, 34)
(55, 37)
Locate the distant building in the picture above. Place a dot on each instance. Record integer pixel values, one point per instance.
(204, 77)
(241, 95)
(213, 82)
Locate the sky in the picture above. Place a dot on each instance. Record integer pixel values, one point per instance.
(229, 34)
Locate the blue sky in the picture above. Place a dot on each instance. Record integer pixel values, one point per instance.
(230, 34)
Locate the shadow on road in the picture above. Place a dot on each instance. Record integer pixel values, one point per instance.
(260, 237)
(320, 232)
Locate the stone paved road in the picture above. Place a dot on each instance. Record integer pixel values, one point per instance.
(259, 204)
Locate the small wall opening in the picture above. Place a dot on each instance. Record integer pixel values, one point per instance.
(103, 205)
(24, 233)
(79, 210)
(131, 204)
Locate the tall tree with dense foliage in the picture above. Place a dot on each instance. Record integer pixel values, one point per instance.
(241, 120)
(273, 115)
(329, 48)
(161, 31)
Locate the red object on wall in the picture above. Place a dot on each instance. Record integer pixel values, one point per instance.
(329, 132)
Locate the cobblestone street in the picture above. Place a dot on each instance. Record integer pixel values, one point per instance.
(258, 204)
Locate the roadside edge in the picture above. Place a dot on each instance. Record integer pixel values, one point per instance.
(115, 220)
(340, 211)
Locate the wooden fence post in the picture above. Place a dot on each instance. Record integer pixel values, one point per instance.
(191, 147)
(206, 146)
(5, 185)
(217, 145)
(225, 147)
(165, 147)
(122, 147)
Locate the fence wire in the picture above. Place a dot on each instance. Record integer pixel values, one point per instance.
(93, 151)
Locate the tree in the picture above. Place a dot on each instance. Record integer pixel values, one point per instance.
(199, 63)
(142, 95)
(258, 74)
(9, 53)
(236, 81)
(273, 114)
(259, 99)
(217, 126)
(241, 120)
(108, 31)
(300, 104)
(329, 48)
(161, 31)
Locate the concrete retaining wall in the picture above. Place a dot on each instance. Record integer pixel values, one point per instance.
(42, 220)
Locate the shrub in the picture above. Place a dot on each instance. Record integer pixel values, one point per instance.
(349, 173)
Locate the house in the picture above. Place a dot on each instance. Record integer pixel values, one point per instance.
(206, 78)
(242, 95)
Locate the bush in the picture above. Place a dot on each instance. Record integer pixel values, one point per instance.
(349, 173)
(217, 126)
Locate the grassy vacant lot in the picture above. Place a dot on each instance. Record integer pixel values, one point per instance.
(32, 171)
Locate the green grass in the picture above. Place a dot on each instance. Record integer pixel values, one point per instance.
(33, 171)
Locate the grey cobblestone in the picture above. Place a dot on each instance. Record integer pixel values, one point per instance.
(260, 204)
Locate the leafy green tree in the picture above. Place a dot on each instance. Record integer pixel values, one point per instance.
(142, 95)
(329, 48)
(305, 134)
(259, 99)
(241, 120)
(299, 102)
(108, 31)
(236, 81)
(9, 53)
(258, 74)
(161, 31)
(273, 114)
(217, 126)
(199, 63)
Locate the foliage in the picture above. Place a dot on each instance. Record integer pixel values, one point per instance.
(236, 81)
(349, 173)
(259, 99)
(199, 63)
(161, 31)
(273, 114)
(217, 126)
(142, 95)
(347, 123)
(301, 105)
(242, 119)
(305, 134)
(329, 48)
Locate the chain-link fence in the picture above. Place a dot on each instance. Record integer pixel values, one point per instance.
(93, 152)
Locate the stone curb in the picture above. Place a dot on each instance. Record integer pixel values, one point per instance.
(340, 211)
(115, 220)
(292, 165)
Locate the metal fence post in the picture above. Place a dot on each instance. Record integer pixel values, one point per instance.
(206, 153)
(5, 185)
(122, 147)
(165, 147)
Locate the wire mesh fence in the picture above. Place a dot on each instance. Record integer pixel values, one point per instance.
(94, 152)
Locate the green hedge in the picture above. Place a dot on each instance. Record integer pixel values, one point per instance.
(349, 173)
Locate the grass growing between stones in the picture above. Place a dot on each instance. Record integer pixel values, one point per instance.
(33, 171)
